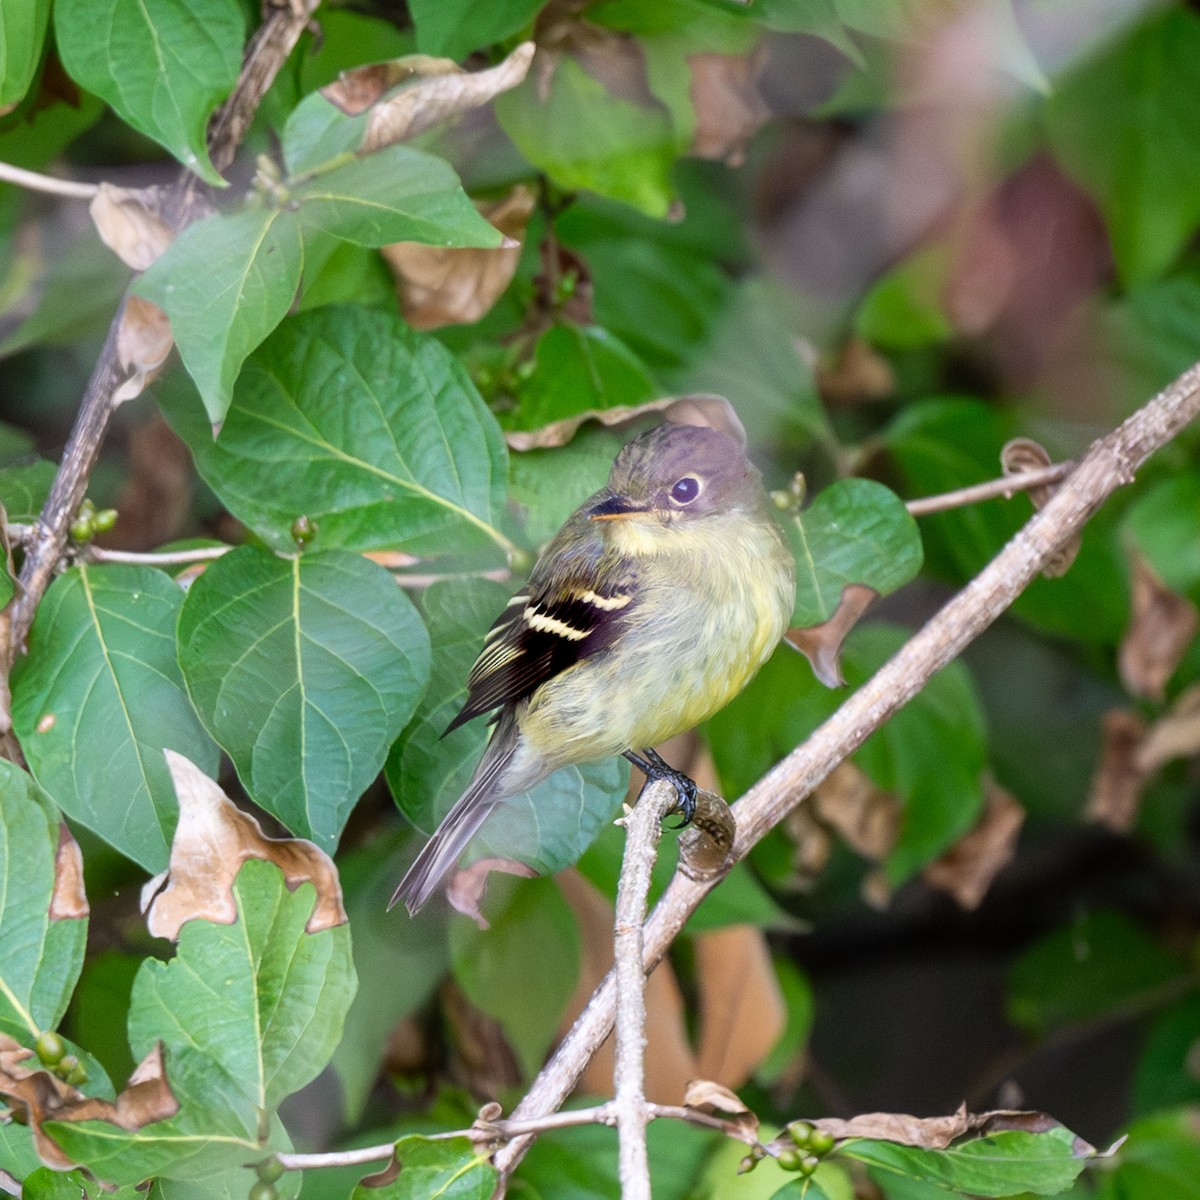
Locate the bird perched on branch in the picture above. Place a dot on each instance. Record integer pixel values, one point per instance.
(651, 608)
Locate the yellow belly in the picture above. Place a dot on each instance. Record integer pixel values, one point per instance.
(698, 636)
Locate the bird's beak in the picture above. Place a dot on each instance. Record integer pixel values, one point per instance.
(617, 508)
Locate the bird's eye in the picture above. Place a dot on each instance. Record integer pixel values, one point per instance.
(685, 490)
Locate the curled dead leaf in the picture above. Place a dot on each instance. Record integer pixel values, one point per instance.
(729, 108)
(1119, 779)
(822, 644)
(212, 840)
(68, 901)
(706, 844)
(859, 375)
(440, 286)
(431, 90)
(467, 886)
(710, 1096)
(143, 342)
(967, 869)
(43, 1097)
(1024, 454)
(129, 224)
(1161, 628)
(708, 411)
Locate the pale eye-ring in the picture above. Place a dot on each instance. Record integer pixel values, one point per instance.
(685, 490)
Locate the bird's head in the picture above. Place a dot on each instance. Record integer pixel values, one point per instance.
(674, 475)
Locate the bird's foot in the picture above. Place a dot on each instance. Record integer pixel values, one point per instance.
(651, 764)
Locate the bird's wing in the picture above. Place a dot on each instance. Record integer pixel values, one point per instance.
(552, 624)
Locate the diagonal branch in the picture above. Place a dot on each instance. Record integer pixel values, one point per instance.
(1109, 464)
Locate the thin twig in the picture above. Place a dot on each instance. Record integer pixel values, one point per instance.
(643, 830)
(1005, 486)
(158, 558)
(1108, 465)
(35, 182)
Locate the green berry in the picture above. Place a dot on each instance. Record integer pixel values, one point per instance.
(262, 1190)
(808, 1164)
(790, 1160)
(801, 1134)
(820, 1142)
(104, 520)
(270, 1169)
(50, 1048)
(77, 1076)
(82, 530)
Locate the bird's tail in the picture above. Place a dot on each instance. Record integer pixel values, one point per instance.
(440, 854)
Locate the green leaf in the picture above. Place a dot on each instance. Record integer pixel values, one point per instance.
(163, 65)
(317, 132)
(1166, 1074)
(903, 310)
(578, 368)
(506, 971)
(1098, 964)
(447, 1169)
(855, 531)
(40, 954)
(1138, 159)
(304, 670)
(6, 585)
(48, 1184)
(226, 283)
(547, 827)
(396, 194)
(582, 136)
(999, 1164)
(24, 488)
(453, 28)
(372, 430)
(1160, 1159)
(248, 1014)
(1162, 524)
(99, 698)
(22, 35)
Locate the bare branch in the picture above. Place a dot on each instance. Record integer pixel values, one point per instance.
(1109, 464)
(36, 182)
(1005, 486)
(643, 830)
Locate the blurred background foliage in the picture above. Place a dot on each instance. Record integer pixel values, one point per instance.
(896, 234)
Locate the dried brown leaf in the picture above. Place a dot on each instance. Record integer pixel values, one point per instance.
(467, 885)
(934, 1133)
(860, 375)
(129, 225)
(1174, 735)
(729, 107)
(967, 869)
(710, 1096)
(1116, 791)
(710, 411)
(742, 1010)
(143, 342)
(706, 844)
(43, 1097)
(440, 286)
(212, 840)
(431, 90)
(1024, 454)
(822, 644)
(867, 818)
(68, 901)
(1161, 629)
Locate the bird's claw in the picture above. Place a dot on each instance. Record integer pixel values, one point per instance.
(651, 764)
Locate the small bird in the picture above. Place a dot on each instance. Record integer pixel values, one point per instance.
(651, 608)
